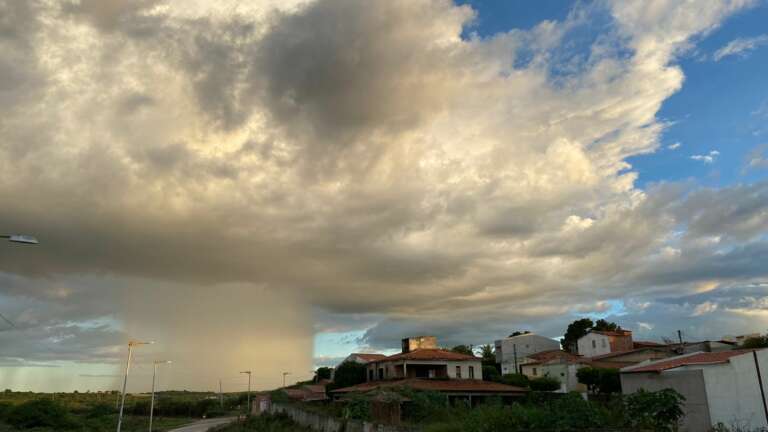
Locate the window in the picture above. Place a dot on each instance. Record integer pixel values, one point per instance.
(370, 374)
(594, 343)
(381, 373)
(458, 371)
(471, 372)
(603, 343)
(534, 372)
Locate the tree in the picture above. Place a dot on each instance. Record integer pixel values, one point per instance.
(599, 380)
(349, 374)
(575, 331)
(544, 384)
(579, 328)
(43, 413)
(490, 373)
(755, 343)
(658, 411)
(322, 373)
(463, 349)
(488, 355)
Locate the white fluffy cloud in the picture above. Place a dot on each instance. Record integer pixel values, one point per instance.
(358, 158)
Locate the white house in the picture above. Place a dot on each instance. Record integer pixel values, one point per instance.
(727, 387)
(556, 364)
(512, 351)
(596, 343)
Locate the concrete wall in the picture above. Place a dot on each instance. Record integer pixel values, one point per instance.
(734, 392)
(324, 423)
(689, 383)
(601, 345)
(563, 372)
(525, 345)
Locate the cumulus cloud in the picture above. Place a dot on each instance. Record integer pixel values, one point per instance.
(212, 180)
(674, 146)
(706, 158)
(740, 47)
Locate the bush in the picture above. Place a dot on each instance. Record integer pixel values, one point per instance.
(659, 411)
(100, 410)
(544, 384)
(600, 380)
(490, 373)
(41, 413)
(518, 380)
(348, 374)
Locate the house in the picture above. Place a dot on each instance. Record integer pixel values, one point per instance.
(511, 351)
(557, 364)
(425, 363)
(363, 358)
(596, 342)
(727, 387)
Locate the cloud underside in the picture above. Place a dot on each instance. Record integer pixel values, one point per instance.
(353, 158)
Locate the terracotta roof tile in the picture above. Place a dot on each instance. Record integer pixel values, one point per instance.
(700, 358)
(369, 357)
(431, 354)
(547, 356)
(613, 333)
(453, 385)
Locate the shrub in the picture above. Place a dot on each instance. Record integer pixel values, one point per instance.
(518, 380)
(40, 413)
(545, 384)
(348, 374)
(659, 411)
(600, 380)
(490, 373)
(100, 410)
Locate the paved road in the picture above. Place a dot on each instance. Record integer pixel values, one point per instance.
(204, 425)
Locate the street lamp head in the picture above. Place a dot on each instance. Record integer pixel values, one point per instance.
(21, 238)
(157, 362)
(246, 372)
(135, 342)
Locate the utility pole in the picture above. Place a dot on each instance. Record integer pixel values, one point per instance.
(221, 395)
(514, 350)
(152, 404)
(249, 391)
(131, 344)
(680, 337)
(284, 375)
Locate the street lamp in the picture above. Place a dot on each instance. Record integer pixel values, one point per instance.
(131, 344)
(284, 375)
(249, 391)
(20, 238)
(154, 374)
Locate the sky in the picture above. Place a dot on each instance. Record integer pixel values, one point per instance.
(271, 185)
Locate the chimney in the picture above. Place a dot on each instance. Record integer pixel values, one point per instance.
(419, 342)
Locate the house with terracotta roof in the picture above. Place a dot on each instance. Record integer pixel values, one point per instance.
(621, 359)
(363, 358)
(726, 387)
(556, 364)
(425, 363)
(596, 342)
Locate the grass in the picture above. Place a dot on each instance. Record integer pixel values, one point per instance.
(266, 423)
(108, 424)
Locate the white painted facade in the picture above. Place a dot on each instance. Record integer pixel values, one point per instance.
(563, 372)
(594, 344)
(524, 345)
(731, 391)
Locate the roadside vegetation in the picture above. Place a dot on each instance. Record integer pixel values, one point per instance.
(97, 412)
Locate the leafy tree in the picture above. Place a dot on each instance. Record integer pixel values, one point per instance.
(574, 332)
(488, 354)
(579, 328)
(658, 411)
(463, 349)
(600, 380)
(545, 384)
(323, 373)
(490, 373)
(755, 343)
(348, 374)
(518, 380)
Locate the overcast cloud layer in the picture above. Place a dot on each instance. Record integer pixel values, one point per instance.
(229, 179)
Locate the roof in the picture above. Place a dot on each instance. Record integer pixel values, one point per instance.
(548, 356)
(368, 357)
(698, 358)
(431, 354)
(452, 385)
(621, 353)
(612, 333)
(647, 344)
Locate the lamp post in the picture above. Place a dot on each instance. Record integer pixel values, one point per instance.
(284, 375)
(248, 413)
(152, 403)
(131, 344)
(20, 238)
(23, 239)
